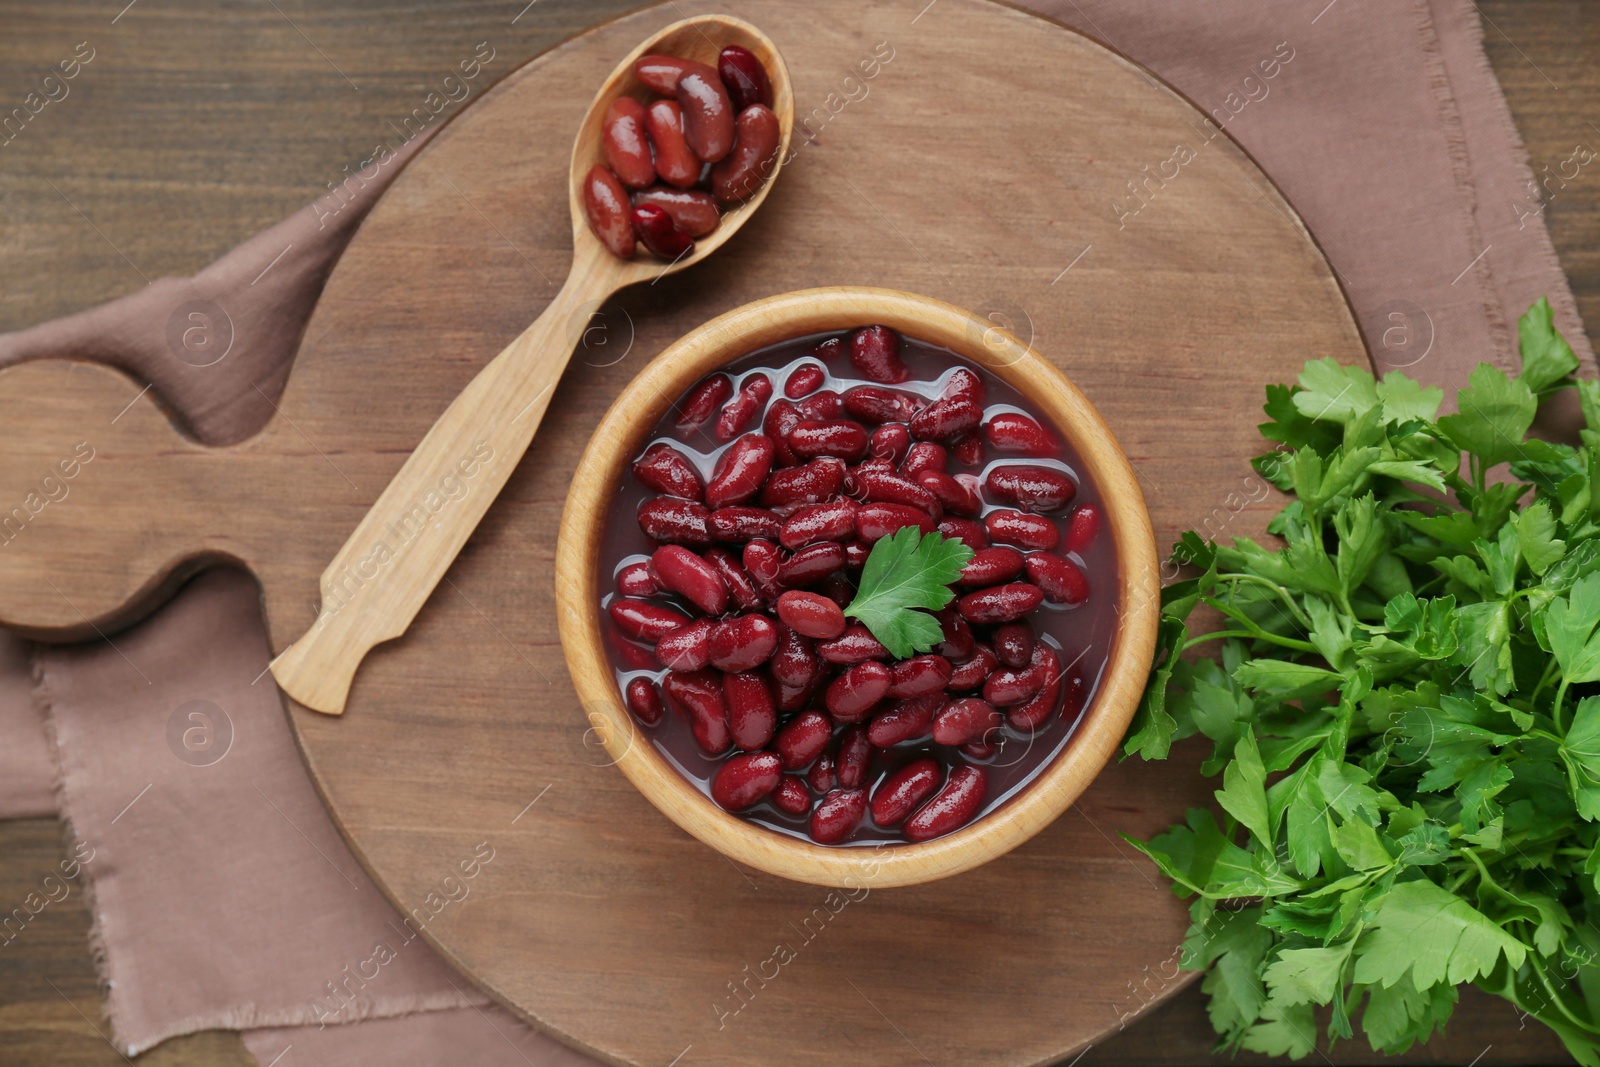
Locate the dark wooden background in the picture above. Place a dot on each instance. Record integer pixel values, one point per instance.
(197, 124)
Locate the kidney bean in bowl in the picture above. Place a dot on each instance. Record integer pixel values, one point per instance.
(736, 628)
(738, 538)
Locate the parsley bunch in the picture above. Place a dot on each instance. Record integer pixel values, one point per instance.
(1405, 714)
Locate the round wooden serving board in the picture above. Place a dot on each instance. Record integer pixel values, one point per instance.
(974, 153)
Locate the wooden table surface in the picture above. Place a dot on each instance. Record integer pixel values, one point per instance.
(216, 141)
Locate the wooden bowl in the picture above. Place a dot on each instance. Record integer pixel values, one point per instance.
(618, 439)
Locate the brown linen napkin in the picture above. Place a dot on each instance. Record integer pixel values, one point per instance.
(1381, 123)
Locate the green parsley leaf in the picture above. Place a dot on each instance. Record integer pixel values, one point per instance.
(905, 571)
(1546, 356)
(1495, 415)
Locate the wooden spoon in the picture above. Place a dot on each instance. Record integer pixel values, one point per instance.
(494, 418)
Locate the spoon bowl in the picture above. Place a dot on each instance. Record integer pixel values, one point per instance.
(702, 39)
(499, 411)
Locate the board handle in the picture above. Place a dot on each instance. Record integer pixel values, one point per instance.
(391, 563)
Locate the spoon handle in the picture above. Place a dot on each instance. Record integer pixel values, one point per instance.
(390, 564)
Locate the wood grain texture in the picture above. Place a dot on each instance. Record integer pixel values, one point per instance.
(603, 922)
(183, 99)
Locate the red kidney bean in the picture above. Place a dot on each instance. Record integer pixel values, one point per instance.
(742, 524)
(703, 400)
(740, 588)
(1013, 644)
(837, 815)
(958, 493)
(963, 384)
(919, 676)
(643, 620)
(811, 615)
(687, 647)
(945, 419)
(659, 233)
(636, 580)
(1081, 528)
(1030, 487)
(925, 456)
(742, 641)
(902, 791)
(886, 487)
(751, 715)
(630, 656)
(979, 750)
(745, 779)
(809, 484)
(991, 566)
(744, 77)
(660, 74)
(802, 739)
(968, 448)
(1009, 431)
(877, 521)
(707, 114)
(666, 470)
(762, 560)
(970, 673)
(792, 797)
(951, 808)
(644, 700)
(743, 409)
(855, 645)
(782, 416)
(793, 698)
(821, 406)
(740, 471)
(957, 641)
(794, 663)
(610, 214)
(805, 380)
(822, 777)
(829, 349)
(839, 589)
(855, 556)
(872, 403)
(810, 565)
(1000, 603)
(875, 353)
(700, 693)
(625, 144)
(965, 720)
(833, 521)
(889, 442)
(970, 533)
(692, 211)
(755, 150)
(691, 577)
(1021, 529)
(675, 160)
(1059, 578)
(851, 695)
(1008, 686)
(906, 720)
(855, 756)
(840, 438)
(1032, 713)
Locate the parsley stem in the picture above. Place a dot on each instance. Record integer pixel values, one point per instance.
(1261, 635)
(1555, 712)
(1283, 594)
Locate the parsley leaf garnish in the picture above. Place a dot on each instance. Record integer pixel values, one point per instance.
(905, 571)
